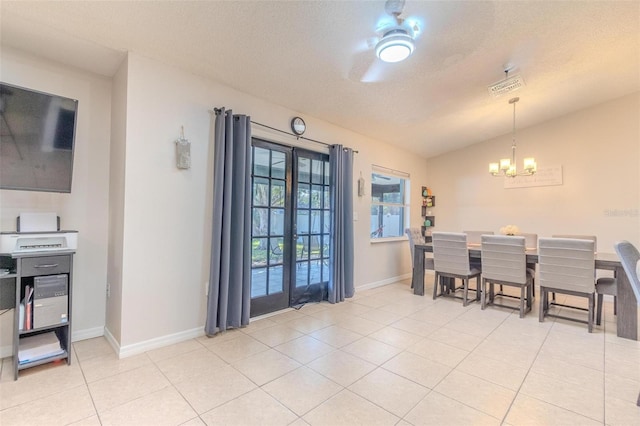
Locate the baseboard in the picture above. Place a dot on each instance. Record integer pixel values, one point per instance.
(383, 282)
(158, 342)
(6, 351)
(89, 333)
(112, 340)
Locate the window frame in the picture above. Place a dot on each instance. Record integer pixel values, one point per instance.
(405, 179)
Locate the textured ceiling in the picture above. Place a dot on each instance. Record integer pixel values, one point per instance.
(311, 57)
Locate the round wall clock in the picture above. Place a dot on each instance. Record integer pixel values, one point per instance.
(298, 126)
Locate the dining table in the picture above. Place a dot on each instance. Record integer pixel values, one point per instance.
(627, 305)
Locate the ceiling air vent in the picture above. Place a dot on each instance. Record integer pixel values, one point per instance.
(505, 86)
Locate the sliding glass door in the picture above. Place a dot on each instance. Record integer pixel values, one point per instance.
(290, 227)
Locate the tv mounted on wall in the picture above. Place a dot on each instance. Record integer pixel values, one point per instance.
(37, 135)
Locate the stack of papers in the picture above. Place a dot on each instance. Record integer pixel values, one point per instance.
(39, 347)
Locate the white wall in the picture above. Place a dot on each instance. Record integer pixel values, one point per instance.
(85, 209)
(166, 211)
(380, 262)
(599, 150)
(116, 202)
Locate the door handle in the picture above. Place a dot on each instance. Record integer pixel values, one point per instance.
(51, 265)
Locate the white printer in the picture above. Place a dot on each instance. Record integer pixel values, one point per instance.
(38, 232)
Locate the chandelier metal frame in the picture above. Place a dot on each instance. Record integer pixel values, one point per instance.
(507, 166)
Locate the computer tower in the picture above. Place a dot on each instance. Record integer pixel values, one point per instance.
(50, 300)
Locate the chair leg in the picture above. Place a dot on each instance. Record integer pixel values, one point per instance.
(615, 305)
(599, 308)
(546, 300)
(522, 302)
(451, 285)
(465, 291)
(435, 286)
(543, 297)
(478, 288)
(591, 296)
(483, 295)
(533, 279)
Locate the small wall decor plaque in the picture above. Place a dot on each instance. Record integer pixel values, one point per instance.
(183, 151)
(545, 176)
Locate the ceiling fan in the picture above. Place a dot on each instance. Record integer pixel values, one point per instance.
(395, 41)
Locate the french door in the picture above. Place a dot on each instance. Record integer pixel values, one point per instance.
(290, 226)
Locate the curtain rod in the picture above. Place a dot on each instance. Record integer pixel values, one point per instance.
(292, 134)
(219, 110)
(393, 171)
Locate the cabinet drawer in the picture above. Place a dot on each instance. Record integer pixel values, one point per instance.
(45, 265)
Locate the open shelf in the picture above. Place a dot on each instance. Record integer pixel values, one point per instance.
(64, 355)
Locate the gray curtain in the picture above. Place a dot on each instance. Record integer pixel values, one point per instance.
(230, 271)
(341, 248)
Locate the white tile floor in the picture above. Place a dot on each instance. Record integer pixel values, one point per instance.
(384, 357)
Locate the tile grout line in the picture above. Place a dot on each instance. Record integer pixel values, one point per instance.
(86, 383)
(506, 414)
(453, 369)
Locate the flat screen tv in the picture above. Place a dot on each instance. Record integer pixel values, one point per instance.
(37, 135)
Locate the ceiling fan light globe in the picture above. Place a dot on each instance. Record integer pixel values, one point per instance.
(395, 46)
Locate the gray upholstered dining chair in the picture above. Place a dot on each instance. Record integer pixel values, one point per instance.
(504, 262)
(451, 260)
(566, 266)
(604, 285)
(630, 259)
(414, 235)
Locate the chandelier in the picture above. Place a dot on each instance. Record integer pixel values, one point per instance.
(507, 166)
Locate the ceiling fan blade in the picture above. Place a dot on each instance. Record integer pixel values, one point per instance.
(360, 63)
(376, 71)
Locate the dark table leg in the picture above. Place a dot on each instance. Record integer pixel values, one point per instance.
(418, 271)
(627, 321)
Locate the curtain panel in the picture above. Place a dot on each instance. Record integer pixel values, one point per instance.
(341, 284)
(229, 299)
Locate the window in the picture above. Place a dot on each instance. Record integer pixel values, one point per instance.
(389, 203)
